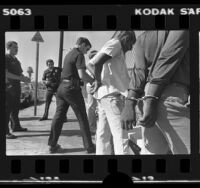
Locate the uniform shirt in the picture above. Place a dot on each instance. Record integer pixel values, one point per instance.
(13, 66)
(53, 76)
(73, 61)
(114, 75)
(165, 59)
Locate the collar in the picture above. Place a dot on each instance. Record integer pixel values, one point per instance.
(77, 49)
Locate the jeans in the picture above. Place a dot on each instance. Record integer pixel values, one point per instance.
(109, 127)
(12, 106)
(67, 95)
(171, 133)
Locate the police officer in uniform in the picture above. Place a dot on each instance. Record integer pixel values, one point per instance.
(51, 78)
(13, 89)
(69, 93)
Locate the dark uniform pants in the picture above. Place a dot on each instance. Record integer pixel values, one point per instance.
(69, 95)
(12, 106)
(49, 95)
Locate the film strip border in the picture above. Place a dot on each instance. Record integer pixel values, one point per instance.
(96, 169)
(110, 22)
(102, 18)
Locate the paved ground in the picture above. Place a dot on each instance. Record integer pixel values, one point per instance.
(34, 141)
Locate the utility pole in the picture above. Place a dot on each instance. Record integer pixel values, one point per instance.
(36, 38)
(61, 49)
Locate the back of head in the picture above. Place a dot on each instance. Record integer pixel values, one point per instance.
(127, 35)
(9, 44)
(82, 40)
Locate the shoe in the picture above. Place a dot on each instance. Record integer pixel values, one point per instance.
(43, 118)
(91, 149)
(55, 149)
(20, 129)
(10, 136)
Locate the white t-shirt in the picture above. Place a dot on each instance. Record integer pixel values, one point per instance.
(114, 75)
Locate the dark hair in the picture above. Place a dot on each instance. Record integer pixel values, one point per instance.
(82, 40)
(10, 43)
(92, 54)
(49, 60)
(128, 35)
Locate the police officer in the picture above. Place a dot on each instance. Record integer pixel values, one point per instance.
(69, 93)
(51, 78)
(13, 89)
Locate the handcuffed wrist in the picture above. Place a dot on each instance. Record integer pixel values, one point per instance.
(150, 97)
(131, 99)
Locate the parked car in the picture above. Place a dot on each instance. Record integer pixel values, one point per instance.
(41, 92)
(28, 93)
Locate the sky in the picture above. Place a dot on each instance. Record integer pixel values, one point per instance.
(49, 49)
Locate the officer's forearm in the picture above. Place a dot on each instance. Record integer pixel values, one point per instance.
(85, 76)
(97, 72)
(98, 65)
(90, 68)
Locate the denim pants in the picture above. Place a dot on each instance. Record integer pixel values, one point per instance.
(12, 106)
(67, 95)
(171, 133)
(109, 127)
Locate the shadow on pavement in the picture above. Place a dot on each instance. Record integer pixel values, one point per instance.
(64, 133)
(70, 150)
(49, 119)
(38, 103)
(72, 120)
(37, 131)
(26, 105)
(29, 118)
(68, 120)
(71, 133)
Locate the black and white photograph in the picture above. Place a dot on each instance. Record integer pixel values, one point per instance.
(97, 92)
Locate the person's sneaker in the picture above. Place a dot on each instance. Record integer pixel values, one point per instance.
(43, 118)
(10, 136)
(55, 149)
(91, 149)
(19, 129)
